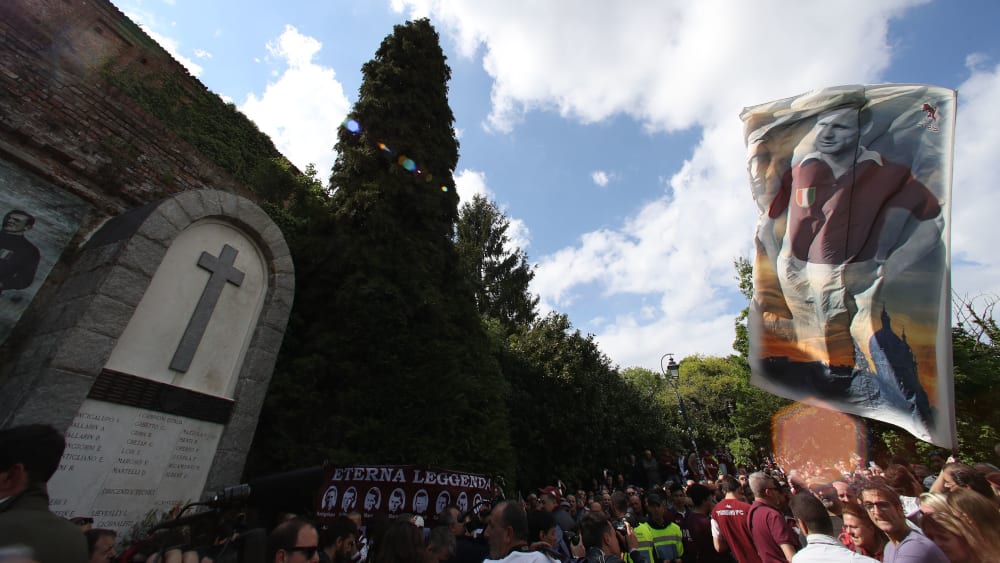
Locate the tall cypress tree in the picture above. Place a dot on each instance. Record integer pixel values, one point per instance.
(389, 362)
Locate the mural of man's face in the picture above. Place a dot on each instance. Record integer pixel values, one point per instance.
(442, 501)
(16, 223)
(420, 504)
(837, 132)
(349, 499)
(395, 502)
(372, 500)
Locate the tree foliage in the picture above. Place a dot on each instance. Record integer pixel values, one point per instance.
(498, 273)
(744, 275)
(976, 353)
(387, 360)
(215, 127)
(572, 413)
(723, 405)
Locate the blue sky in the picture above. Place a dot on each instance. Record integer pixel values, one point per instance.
(609, 131)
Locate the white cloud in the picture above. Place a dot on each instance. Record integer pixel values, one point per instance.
(303, 107)
(470, 183)
(975, 269)
(974, 60)
(671, 66)
(518, 233)
(601, 178)
(202, 54)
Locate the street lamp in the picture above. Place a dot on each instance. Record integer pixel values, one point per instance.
(674, 369)
(731, 409)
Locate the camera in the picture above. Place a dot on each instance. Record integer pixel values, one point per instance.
(620, 526)
(572, 538)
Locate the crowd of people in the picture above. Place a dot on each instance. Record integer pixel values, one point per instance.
(702, 509)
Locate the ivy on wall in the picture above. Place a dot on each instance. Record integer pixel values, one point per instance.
(214, 127)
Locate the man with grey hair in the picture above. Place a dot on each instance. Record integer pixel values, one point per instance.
(467, 549)
(851, 217)
(774, 538)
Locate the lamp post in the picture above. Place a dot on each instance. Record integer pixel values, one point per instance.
(674, 370)
(731, 409)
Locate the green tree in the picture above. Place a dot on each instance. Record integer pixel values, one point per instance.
(572, 412)
(499, 274)
(976, 355)
(722, 403)
(389, 362)
(744, 275)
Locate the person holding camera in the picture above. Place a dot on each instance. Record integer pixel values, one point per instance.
(605, 543)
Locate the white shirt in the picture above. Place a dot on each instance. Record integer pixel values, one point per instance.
(522, 557)
(822, 548)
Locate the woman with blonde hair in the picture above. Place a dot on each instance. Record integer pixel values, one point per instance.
(953, 536)
(933, 502)
(980, 515)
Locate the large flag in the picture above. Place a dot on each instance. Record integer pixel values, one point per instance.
(851, 306)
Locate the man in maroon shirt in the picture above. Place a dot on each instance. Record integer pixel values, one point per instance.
(773, 537)
(697, 528)
(851, 217)
(730, 515)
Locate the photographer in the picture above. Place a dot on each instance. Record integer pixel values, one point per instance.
(606, 545)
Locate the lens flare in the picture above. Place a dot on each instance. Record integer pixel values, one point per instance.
(352, 126)
(805, 435)
(402, 160)
(406, 163)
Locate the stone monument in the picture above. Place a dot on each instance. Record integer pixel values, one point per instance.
(172, 317)
(143, 293)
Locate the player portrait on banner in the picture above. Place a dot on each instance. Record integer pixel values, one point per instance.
(851, 306)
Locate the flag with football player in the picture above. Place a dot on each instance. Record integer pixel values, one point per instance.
(851, 306)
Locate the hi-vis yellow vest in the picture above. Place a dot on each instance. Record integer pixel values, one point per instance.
(660, 544)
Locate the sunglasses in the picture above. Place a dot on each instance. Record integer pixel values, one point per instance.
(307, 552)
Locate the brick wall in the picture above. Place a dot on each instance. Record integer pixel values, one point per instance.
(61, 119)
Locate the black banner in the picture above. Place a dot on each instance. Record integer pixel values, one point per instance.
(399, 489)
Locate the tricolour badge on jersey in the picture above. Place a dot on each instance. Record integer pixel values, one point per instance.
(805, 197)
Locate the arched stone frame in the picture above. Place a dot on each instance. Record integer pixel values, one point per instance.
(72, 342)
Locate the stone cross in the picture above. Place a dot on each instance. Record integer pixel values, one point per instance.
(222, 272)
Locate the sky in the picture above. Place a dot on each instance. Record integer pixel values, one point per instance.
(609, 132)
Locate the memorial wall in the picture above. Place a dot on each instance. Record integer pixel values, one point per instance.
(146, 293)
